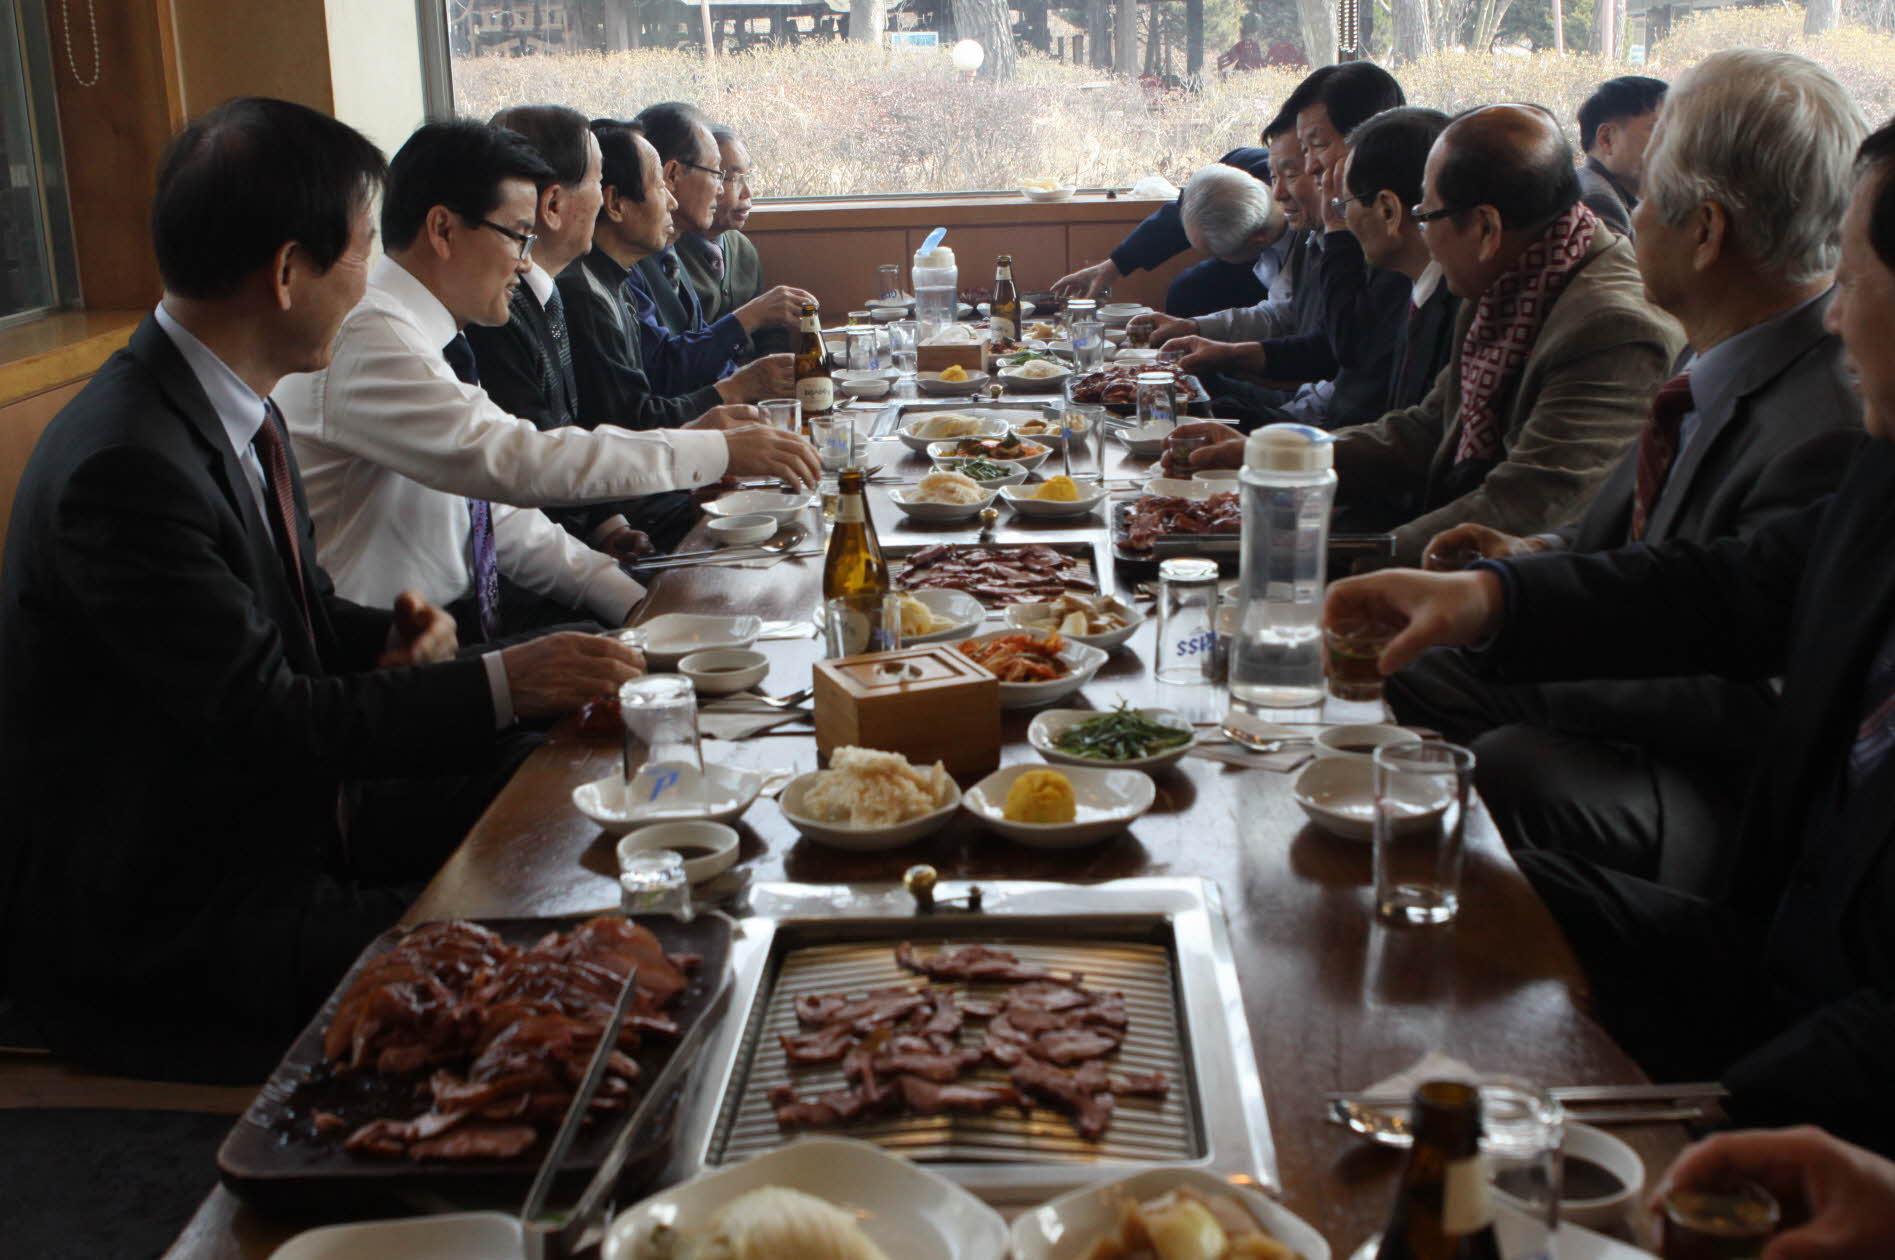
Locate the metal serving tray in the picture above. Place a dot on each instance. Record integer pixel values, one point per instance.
(898, 555)
(1162, 942)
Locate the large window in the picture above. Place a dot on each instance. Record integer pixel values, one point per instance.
(35, 254)
(830, 105)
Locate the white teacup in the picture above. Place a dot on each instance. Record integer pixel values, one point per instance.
(1361, 741)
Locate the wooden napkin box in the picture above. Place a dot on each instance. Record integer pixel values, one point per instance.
(928, 703)
(940, 358)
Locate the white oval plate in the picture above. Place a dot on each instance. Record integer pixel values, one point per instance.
(966, 611)
(943, 511)
(1145, 439)
(1108, 802)
(1049, 726)
(1020, 617)
(1057, 438)
(1338, 794)
(939, 451)
(767, 502)
(1048, 194)
(990, 427)
(1082, 661)
(447, 1236)
(932, 384)
(1063, 1228)
(864, 839)
(733, 790)
(1014, 475)
(1021, 500)
(670, 637)
(905, 1210)
(1015, 382)
(1180, 488)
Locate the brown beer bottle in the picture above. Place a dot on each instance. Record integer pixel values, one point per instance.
(815, 387)
(1004, 315)
(1441, 1209)
(853, 569)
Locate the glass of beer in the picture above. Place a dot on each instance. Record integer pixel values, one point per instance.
(1728, 1221)
(1353, 648)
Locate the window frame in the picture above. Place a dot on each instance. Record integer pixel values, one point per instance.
(47, 159)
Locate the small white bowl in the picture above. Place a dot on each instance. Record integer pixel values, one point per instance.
(1047, 727)
(965, 611)
(731, 791)
(1082, 662)
(1048, 194)
(741, 531)
(1601, 1148)
(1108, 801)
(1179, 488)
(1020, 617)
(944, 450)
(1338, 794)
(775, 504)
(1361, 740)
(1138, 354)
(864, 839)
(990, 427)
(864, 382)
(906, 1210)
(1229, 476)
(1057, 437)
(931, 383)
(669, 638)
(942, 511)
(1146, 440)
(708, 848)
(1016, 383)
(1119, 314)
(1014, 477)
(1049, 1231)
(1021, 500)
(725, 671)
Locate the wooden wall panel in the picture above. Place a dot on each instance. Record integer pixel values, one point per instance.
(21, 423)
(229, 48)
(837, 266)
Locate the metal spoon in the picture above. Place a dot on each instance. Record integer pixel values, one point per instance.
(783, 540)
(1260, 744)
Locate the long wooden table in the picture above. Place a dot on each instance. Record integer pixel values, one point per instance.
(1334, 999)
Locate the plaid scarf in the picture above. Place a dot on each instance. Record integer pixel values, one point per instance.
(1508, 321)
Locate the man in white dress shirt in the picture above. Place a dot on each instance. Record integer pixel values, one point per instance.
(416, 478)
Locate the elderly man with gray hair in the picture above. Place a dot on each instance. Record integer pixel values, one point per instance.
(1747, 178)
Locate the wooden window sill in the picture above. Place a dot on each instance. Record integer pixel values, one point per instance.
(947, 210)
(47, 353)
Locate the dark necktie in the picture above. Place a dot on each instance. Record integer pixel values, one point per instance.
(1875, 734)
(480, 543)
(556, 321)
(274, 456)
(1658, 447)
(714, 257)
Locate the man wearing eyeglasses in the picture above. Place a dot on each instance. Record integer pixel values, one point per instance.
(721, 264)
(416, 477)
(681, 348)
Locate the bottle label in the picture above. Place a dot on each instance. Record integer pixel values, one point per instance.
(1465, 1208)
(849, 509)
(1003, 328)
(816, 393)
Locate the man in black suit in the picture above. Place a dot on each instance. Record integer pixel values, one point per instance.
(185, 704)
(1615, 129)
(1784, 987)
(1761, 423)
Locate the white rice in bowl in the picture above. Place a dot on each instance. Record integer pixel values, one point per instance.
(947, 487)
(865, 787)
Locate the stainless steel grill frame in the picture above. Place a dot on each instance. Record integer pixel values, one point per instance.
(1160, 941)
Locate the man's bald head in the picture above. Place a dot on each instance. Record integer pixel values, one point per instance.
(1514, 158)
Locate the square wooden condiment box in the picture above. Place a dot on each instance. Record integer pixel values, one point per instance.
(941, 358)
(928, 703)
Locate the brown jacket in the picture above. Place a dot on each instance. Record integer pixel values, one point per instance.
(1579, 401)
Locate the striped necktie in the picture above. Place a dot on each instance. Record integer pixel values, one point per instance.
(483, 559)
(1658, 447)
(273, 454)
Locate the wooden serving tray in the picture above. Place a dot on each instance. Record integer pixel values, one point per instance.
(271, 1159)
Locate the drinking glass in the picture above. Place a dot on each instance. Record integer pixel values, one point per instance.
(1421, 796)
(653, 882)
(1157, 401)
(782, 413)
(1728, 1221)
(1088, 338)
(888, 276)
(664, 768)
(849, 631)
(1187, 622)
(834, 439)
(1522, 1127)
(902, 339)
(864, 348)
(1354, 647)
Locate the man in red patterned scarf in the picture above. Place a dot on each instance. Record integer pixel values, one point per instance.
(1557, 357)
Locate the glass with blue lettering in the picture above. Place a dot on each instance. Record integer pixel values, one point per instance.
(664, 770)
(1187, 622)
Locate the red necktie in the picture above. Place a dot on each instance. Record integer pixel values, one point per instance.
(274, 456)
(1658, 447)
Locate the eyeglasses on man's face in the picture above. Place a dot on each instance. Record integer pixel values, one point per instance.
(523, 239)
(722, 177)
(1425, 217)
(1339, 204)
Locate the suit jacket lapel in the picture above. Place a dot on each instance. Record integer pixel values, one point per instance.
(1771, 360)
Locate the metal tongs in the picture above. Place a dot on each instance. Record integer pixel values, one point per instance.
(551, 1237)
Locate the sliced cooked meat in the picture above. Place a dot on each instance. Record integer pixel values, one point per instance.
(825, 1045)
(930, 1098)
(947, 1017)
(935, 1067)
(1070, 1045)
(970, 962)
(1091, 1110)
(478, 1141)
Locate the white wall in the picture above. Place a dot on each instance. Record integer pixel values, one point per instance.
(375, 68)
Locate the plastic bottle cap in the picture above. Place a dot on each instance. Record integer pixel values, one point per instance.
(1291, 448)
(941, 256)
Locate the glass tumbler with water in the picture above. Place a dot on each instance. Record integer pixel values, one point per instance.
(1288, 484)
(1522, 1129)
(1157, 399)
(1421, 796)
(903, 335)
(863, 348)
(888, 280)
(664, 769)
(1187, 622)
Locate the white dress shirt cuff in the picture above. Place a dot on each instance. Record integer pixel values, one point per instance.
(702, 455)
(605, 529)
(498, 688)
(611, 596)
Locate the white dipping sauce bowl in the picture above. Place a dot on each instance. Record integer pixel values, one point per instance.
(708, 848)
(738, 531)
(1341, 741)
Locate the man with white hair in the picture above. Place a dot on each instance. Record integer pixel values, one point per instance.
(1748, 176)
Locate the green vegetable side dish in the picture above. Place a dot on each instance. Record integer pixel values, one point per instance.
(985, 470)
(1121, 735)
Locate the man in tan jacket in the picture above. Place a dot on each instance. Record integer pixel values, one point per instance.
(1557, 352)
